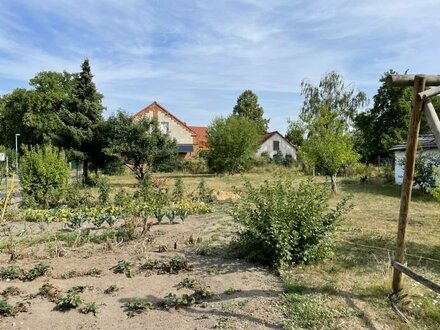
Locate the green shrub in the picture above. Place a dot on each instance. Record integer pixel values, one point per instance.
(179, 190)
(104, 190)
(195, 165)
(284, 224)
(204, 194)
(44, 175)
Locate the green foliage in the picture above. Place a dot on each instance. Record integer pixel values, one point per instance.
(195, 165)
(44, 175)
(10, 272)
(427, 171)
(81, 118)
(283, 160)
(140, 144)
(70, 301)
(111, 289)
(332, 93)
(247, 106)
(328, 147)
(124, 267)
(171, 300)
(89, 308)
(11, 291)
(104, 190)
(295, 132)
(179, 190)
(204, 194)
(38, 271)
(284, 224)
(189, 283)
(233, 142)
(137, 306)
(6, 309)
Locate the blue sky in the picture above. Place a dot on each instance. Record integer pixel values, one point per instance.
(196, 57)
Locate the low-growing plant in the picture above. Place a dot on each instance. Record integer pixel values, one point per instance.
(124, 267)
(50, 292)
(137, 306)
(285, 224)
(171, 215)
(159, 214)
(89, 308)
(204, 194)
(171, 300)
(176, 264)
(10, 272)
(39, 270)
(6, 309)
(189, 283)
(179, 190)
(231, 291)
(70, 301)
(104, 190)
(150, 264)
(183, 214)
(11, 291)
(111, 289)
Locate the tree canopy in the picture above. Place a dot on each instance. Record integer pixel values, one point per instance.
(141, 145)
(233, 142)
(247, 106)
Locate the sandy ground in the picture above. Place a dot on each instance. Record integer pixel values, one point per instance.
(254, 304)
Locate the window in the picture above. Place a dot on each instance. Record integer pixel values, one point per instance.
(276, 145)
(164, 127)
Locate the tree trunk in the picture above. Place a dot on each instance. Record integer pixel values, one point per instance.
(333, 184)
(85, 172)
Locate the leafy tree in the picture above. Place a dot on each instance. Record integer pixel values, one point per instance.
(141, 145)
(247, 106)
(295, 132)
(34, 113)
(233, 142)
(329, 148)
(81, 117)
(386, 123)
(44, 175)
(332, 93)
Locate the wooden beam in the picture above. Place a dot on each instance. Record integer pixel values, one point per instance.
(429, 92)
(433, 121)
(410, 161)
(401, 80)
(416, 277)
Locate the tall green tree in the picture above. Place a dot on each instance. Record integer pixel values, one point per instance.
(386, 123)
(329, 148)
(327, 113)
(233, 142)
(295, 132)
(34, 113)
(247, 106)
(333, 93)
(81, 118)
(141, 145)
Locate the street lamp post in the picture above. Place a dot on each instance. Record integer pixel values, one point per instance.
(16, 152)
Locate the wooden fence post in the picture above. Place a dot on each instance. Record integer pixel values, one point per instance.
(410, 160)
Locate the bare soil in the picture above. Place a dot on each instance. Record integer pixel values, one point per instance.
(252, 298)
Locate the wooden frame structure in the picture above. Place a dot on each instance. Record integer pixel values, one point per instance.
(420, 103)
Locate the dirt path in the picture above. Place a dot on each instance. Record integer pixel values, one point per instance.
(244, 296)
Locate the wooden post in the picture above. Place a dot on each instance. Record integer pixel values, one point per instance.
(399, 80)
(429, 92)
(433, 121)
(411, 151)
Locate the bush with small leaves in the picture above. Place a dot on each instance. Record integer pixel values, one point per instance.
(285, 224)
(70, 301)
(39, 270)
(10, 272)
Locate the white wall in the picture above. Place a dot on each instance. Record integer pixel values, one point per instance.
(285, 147)
(398, 166)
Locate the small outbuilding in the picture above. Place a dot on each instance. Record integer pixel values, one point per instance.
(428, 147)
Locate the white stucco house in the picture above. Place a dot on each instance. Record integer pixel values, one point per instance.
(273, 142)
(428, 147)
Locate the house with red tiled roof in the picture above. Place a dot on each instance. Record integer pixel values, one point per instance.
(202, 139)
(189, 139)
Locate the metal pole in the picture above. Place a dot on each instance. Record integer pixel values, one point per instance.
(16, 153)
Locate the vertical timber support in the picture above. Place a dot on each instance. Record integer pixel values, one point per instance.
(411, 151)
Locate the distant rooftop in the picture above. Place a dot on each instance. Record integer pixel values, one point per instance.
(426, 141)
